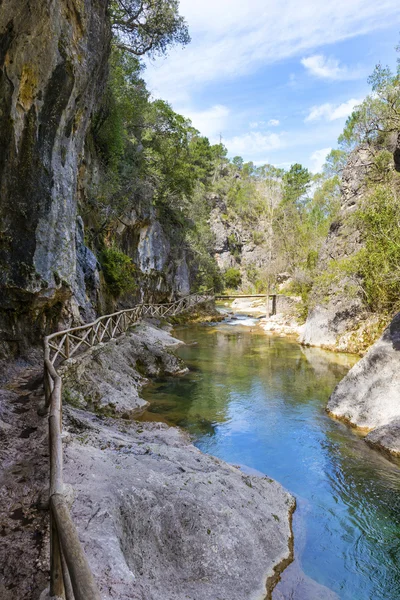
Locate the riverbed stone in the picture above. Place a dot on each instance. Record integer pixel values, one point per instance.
(108, 378)
(159, 520)
(368, 397)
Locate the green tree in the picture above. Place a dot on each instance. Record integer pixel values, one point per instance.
(379, 261)
(335, 163)
(297, 182)
(232, 278)
(147, 26)
(238, 162)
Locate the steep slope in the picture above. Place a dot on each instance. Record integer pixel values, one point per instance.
(336, 304)
(53, 72)
(53, 60)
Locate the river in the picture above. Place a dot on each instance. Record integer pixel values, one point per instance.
(258, 401)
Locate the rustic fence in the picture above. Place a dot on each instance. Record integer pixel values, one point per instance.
(70, 574)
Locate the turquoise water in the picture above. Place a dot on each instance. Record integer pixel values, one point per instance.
(259, 401)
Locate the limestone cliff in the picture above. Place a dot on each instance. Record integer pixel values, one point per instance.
(53, 69)
(53, 59)
(238, 243)
(336, 305)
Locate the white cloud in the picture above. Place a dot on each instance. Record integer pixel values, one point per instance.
(331, 112)
(210, 122)
(317, 159)
(329, 68)
(231, 38)
(261, 124)
(254, 143)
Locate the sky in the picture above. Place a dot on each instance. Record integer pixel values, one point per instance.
(276, 78)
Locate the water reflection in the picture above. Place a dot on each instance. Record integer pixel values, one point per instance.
(258, 400)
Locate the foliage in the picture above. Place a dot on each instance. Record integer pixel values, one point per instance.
(119, 271)
(378, 115)
(232, 278)
(148, 27)
(297, 182)
(335, 163)
(151, 154)
(379, 261)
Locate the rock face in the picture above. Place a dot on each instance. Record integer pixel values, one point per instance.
(92, 381)
(53, 67)
(338, 308)
(237, 243)
(159, 520)
(162, 261)
(368, 397)
(51, 54)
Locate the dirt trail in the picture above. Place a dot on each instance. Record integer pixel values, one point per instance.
(24, 559)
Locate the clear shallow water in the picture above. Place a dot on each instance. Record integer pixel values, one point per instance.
(259, 401)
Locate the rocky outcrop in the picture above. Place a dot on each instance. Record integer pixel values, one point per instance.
(159, 519)
(53, 59)
(237, 243)
(368, 397)
(336, 305)
(161, 259)
(53, 67)
(92, 380)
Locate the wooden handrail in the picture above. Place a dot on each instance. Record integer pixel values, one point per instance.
(70, 574)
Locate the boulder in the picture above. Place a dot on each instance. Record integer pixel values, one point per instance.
(369, 396)
(159, 520)
(107, 378)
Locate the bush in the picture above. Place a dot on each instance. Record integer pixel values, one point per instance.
(232, 278)
(119, 271)
(258, 237)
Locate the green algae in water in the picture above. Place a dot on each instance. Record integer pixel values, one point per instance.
(260, 401)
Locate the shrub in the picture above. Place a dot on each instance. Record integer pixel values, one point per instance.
(119, 271)
(232, 278)
(258, 237)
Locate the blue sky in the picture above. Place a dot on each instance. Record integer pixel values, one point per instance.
(276, 78)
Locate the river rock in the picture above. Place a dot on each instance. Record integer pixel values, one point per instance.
(368, 397)
(107, 378)
(159, 520)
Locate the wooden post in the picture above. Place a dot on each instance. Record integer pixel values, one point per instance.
(274, 304)
(69, 592)
(56, 575)
(82, 580)
(110, 327)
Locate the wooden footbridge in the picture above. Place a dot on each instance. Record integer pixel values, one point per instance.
(266, 297)
(70, 574)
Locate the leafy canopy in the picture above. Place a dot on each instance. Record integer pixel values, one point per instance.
(148, 26)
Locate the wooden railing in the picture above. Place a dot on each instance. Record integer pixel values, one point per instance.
(70, 574)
